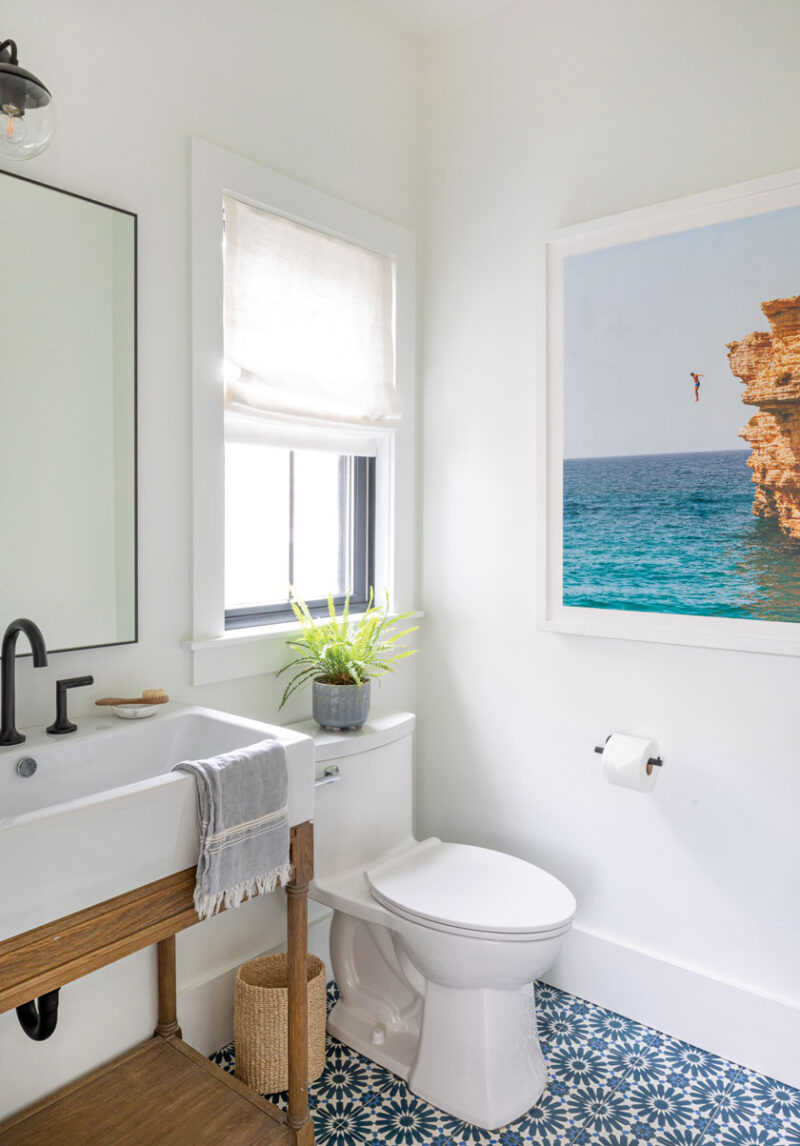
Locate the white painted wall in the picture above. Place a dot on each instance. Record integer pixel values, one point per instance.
(319, 91)
(536, 117)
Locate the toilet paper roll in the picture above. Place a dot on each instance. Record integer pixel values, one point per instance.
(625, 761)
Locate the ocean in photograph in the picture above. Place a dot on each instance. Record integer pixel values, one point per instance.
(675, 533)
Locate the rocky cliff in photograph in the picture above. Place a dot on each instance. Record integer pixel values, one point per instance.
(769, 366)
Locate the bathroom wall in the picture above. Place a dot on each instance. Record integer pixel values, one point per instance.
(539, 116)
(319, 91)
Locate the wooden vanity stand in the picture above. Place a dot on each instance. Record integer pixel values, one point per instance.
(161, 1093)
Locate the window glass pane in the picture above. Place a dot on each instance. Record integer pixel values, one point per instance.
(256, 525)
(322, 494)
(292, 517)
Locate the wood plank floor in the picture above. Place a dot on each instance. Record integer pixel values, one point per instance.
(162, 1093)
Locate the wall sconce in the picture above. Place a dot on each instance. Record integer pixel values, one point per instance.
(27, 114)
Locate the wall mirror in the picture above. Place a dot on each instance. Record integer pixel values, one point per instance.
(67, 416)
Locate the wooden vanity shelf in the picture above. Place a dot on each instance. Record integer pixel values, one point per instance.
(163, 1092)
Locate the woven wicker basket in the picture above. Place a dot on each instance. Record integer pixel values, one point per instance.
(261, 1021)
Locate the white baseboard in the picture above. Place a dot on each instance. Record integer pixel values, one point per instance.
(756, 1030)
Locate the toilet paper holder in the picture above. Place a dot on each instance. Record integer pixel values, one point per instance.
(653, 762)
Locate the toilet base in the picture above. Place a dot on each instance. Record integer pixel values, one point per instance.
(489, 1089)
(440, 1065)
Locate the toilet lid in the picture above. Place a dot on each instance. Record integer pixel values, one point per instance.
(475, 889)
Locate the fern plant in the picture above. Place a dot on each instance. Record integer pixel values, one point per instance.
(338, 650)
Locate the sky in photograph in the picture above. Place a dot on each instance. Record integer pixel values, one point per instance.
(639, 317)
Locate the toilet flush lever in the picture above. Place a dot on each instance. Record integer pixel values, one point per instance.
(331, 775)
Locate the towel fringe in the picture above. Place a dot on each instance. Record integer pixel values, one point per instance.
(235, 896)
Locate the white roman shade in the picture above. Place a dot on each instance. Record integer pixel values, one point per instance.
(309, 338)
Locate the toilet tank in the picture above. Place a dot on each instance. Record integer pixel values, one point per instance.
(369, 811)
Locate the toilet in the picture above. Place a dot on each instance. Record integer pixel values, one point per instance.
(435, 946)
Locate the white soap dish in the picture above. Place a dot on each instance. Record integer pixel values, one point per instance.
(134, 711)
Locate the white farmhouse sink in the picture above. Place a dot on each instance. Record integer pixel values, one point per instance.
(103, 814)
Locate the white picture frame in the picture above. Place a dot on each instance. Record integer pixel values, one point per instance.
(735, 202)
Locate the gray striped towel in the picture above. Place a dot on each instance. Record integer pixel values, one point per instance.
(242, 800)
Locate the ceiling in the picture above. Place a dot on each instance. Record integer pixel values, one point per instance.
(431, 17)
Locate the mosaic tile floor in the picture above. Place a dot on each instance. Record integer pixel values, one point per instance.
(611, 1082)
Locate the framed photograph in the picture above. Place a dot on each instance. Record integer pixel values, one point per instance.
(670, 422)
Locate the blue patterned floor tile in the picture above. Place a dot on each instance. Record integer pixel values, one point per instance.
(756, 1111)
(657, 1103)
(597, 1112)
(342, 1123)
(607, 1028)
(349, 1074)
(611, 1082)
(629, 1060)
(550, 1121)
(707, 1095)
(678, 1061)
(580, 1065)
(405, 1120)
(553, 998)
(565, 1028)
(769, 1096)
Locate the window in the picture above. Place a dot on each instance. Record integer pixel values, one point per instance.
(314, 530)
(309, 366)
(312, 386)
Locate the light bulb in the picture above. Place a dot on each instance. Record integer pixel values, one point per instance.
(24, 134)
(12, 126)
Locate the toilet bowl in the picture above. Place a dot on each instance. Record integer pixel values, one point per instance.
(435, 946)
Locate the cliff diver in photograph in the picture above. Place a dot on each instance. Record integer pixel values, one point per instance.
(696, 379)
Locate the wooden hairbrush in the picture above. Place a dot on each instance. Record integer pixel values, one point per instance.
(149, 696)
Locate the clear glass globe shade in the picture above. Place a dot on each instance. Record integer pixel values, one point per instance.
(25, 133)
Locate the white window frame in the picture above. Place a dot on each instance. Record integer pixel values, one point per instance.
(217, 654)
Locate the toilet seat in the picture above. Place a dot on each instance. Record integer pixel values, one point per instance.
(471, 890)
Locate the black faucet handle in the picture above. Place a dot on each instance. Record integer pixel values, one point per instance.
(62, 724)
(74, 682)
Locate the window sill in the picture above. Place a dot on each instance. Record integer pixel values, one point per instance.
(247, 652)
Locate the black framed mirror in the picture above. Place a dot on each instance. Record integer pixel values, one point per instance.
(68, 415)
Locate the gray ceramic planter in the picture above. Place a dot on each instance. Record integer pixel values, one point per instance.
(340, 706)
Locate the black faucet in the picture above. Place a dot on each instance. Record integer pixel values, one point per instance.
(8, 731)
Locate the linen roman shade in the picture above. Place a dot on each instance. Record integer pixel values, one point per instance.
(309, 332)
